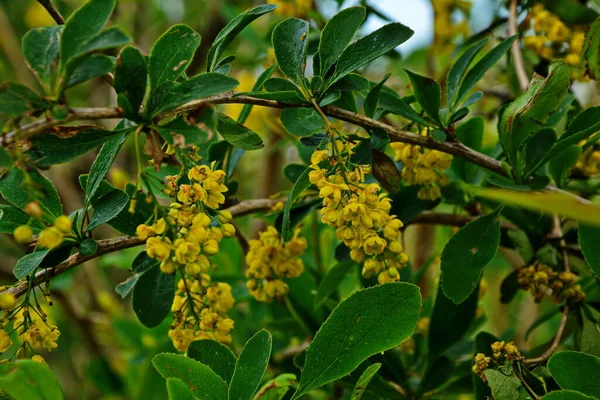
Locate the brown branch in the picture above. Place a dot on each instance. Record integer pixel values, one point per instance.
(516, 49)
(120, 243)
(53, 11)
(396, 135)
(435, 218)
(555, 343)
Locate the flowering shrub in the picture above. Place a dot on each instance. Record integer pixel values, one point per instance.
(417, 205)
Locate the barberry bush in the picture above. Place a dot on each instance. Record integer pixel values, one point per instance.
(317, 215)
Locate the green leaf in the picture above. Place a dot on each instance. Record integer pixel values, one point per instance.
(347, 337)
(590, 334)
(276, 388)
(14, 189)
(300, 186)
(82, 27)
(427, 92)
(372, 99)
(131, 79)
(141, 264)
(108, 207)
(364, 380)
(237, 134)
(214, 355)
(171, 54)
(548, 202)
(178, 129)
(585, 124)
(170, 96)
(591, 50)
(16, 99)
(264, 76)
(231, 30)
(395, 104)
(103, 162)
(250, 366)
(88, 247)
(301, 121)
(529, 112)
(560, 164)
(479, 69)
(89, 67)
(331, 281)
(457, 72)
(178, 390)
(28, 263)
(385, 171)
(337, 35)
(572, 11)
(11, 218)
(29, 380)
(370, 47)
(449, 322)
(470, 134)
(51, 149)
(153, 296)
(504, 383)
(536, 147)
(566, 395)
(466, 255)
(290, 43)
(40, 48)
(201, 380)
(572, 371)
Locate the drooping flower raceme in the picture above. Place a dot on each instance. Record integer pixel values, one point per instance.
(269, 260)
(360, 212)
(187, 233)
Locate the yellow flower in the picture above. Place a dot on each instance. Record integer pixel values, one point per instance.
(158, 248)
(7, 301)
(5, 341)
(23, 234)
(50, 238)
(33, 209)
(63, 223)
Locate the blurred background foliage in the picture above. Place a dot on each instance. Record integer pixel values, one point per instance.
(104, 351)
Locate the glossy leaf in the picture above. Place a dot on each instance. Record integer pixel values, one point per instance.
(40, 48)
(153, 296)
(370, 47)
(107, 207)
(590, 54)
(131, 80)
(504, 383)
(178, 390)
(466, 255)
(301, 121)
(276, 388)
(14, 189)
(290, 43)
(561, 164)
(428, 93)
(214, 355)
(92, 66)
(237, 134)
(28, 263)
(566, 395)
(16, 99)
(202, 381)
(337, 35)
(372, 99)
(459, 68)
(29, 380)
(300, 186)
(364, 380)
(11, 218)
(572, 371)
(250, 366)
(479, 69)
(332, 280)
(346, 339)
(171, 54)
(231, 30)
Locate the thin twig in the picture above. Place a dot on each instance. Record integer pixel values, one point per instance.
(516, 47)
(555, 343)
(435, 218)
(53, 11)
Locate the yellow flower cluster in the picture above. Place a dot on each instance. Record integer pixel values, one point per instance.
(423, 167)
(552, 39)
(292, 8)
(446, 27)
(200, 312)
(33, 327)
(361, 215)
(269, 260)
(501, 353)
(588, 163)
(541, 280)
(182, 240)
